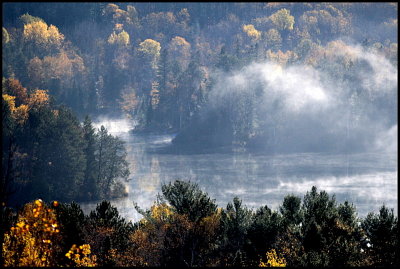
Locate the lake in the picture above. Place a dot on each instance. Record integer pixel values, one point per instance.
(365, 179)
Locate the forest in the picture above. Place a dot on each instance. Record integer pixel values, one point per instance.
(234, 77)
(186, 228)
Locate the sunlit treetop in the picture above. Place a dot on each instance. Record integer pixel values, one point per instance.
(121, 39)
(27, 19)
(251, 32)
(282, 19)
(42, 34)
(5, 36)
(150, 47)
(38, 98)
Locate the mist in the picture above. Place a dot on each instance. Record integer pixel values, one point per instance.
(114, 126)
(306, 108)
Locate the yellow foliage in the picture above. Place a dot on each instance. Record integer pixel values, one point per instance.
(252, 32)
(209, 225)
(20, 113)
(33, 241)
(14, 87)
(38, 98)
(180, 41)
(41, 34)
(161, 212)
(81, 256)
(273, 260)
(150, 47)
(5, 36)
(10, 101)
(282, 19)
(281, 58)
(121, 39)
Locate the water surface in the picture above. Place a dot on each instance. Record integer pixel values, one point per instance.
(367, 180)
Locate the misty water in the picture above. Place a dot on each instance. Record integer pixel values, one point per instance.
(367, 180)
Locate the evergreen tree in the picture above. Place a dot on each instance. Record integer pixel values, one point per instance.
(382, 245)
(236, 221)
(187, 198)
(89, 187)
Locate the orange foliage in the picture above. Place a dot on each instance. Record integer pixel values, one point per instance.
(15, 88)
(38, 98)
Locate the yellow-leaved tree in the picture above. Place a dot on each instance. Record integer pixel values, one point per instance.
(150, 50)
(252, 32)
(35, 240)
(273, 260)
(120, 39)
(282, 19)
(42, 35)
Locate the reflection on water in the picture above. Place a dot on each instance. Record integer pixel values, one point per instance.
(368, 180)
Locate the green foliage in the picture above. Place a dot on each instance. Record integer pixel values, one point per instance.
(331, 235)
(291, 210)
(235, 236)
(187, 198)
(111, 161)
(49, 143)
(234, 240)
(382, 237)
(72, 221)
(106, 230)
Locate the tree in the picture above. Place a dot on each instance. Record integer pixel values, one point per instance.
(107, 231)
(5, 36)
(183, 233)
(382, 245)
(282, 19)
(42, 37)
(252, 32)
(331, 235)
(111, 162)
(263, 231)
(234, 241)
(151, 49)
(273, 39)
(187, 198)
(179, 52)
(319, 216)
(291, 210)
(89, 184)
(60, 165)
(34, 239)
(72, 220)
(121, 39)
(28, 19)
